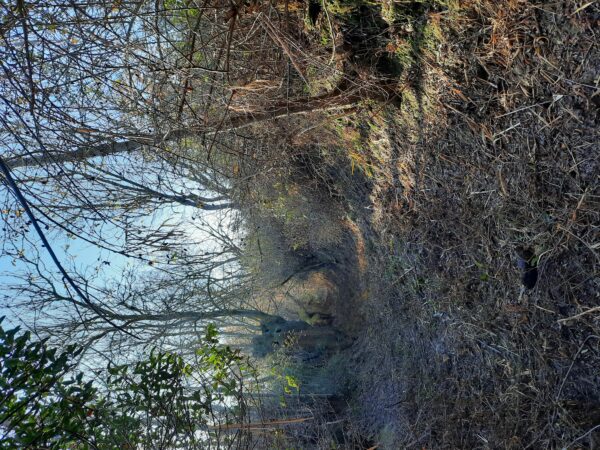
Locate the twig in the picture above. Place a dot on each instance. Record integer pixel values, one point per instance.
(10, 182)
(562, 385)
(272, 31)
(512, 127)
(576, 316)
(588, 432)
(259, 425)
(522, 109)
(331, 31)
(578, 10)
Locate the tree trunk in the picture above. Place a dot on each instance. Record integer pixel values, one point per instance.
(191, 316)
(341, 97)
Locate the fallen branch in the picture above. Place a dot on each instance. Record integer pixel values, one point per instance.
(258, 425)
(576, 316)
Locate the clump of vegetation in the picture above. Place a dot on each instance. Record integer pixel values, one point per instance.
(162, 398)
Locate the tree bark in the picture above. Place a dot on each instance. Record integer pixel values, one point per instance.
(188, 315)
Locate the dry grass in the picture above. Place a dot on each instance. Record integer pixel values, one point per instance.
(496, 146)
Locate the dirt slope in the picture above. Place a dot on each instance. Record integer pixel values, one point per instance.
(496, 147)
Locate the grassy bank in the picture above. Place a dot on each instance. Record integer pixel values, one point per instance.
(493, 147)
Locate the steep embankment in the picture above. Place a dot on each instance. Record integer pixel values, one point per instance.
(494, 149)
(421, 218)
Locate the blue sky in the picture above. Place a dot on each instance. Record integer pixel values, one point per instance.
(81, 81)
(99, 265)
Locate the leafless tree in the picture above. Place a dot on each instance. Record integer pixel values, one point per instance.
(116, 115)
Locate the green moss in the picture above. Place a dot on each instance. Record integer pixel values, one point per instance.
(410, 102)
(404, 54)
(432, 35)
(342, 8)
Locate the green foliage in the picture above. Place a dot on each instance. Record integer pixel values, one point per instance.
(38, 403)
(44, 403)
